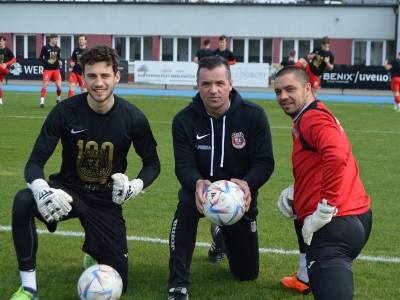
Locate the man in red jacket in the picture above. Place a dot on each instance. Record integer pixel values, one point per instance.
(329, 197)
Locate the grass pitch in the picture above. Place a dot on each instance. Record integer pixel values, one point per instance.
(375, 135)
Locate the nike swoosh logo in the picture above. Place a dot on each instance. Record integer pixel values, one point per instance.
(200, 137)
(77, 131)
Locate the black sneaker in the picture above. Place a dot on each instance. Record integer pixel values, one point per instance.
(57, 101)
(179, 293)
(215, 254)
(41, 105)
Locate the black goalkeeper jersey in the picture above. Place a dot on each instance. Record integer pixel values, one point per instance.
(94, 146)
(50, 52)
(76, 57)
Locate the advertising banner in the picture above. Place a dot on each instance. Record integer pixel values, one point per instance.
(184, 73)
(357, 77)
(30, 69)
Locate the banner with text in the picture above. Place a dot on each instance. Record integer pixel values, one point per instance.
(184, 73)
(30, 69)
(356, 77)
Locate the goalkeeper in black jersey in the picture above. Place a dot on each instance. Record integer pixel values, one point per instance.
(97, 129)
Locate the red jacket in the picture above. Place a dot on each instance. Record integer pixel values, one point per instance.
(324, 166)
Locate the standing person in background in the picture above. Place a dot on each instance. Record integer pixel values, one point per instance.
(328, 195)
(6, 58)
(393, 66)
(224, 52)
(75, 62)
(97, 130)
(319, 59)
(290, 60)
(219, 135)
(203, 52)
(51, 56)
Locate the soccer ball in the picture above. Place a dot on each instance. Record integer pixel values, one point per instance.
(223, 203)
(100, 282)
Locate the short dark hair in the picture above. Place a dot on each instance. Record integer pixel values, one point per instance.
(100, 53)
(3, 38)
(299, 73)
(223, 37)
(53, 35)
(326, 40)
(83, 36)
(212, 62)
(206, 42)
(292, 52)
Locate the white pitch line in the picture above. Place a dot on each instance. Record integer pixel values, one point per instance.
(201, 244)
(272, 127)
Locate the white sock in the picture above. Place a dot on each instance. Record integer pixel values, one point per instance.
(302, 271)
(58, 98)
(41, 100)
(28, 279)
(1, 100)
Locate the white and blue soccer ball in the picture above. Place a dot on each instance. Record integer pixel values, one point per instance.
(223, 203)
(100, 282)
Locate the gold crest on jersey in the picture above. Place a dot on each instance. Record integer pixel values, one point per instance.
(94, 165)
(238, 140)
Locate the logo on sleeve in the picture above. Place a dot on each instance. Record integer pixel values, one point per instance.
(238, 140)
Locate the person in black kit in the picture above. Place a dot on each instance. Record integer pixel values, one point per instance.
(203, 52)
(97, 130)
(7, 58)
(393, 66)
(290, 60)
(319, 59)
(217, 136)
(224, 52)
(75, 62)
(51, 56)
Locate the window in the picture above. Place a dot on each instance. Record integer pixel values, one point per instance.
(237, 48)
(179, 49)
(267, 51)
(134, 48)
(302, 47)
(25, 46)
(147, 53)
(167, 49)
(252, 50)
(183, 50)
(372, 53)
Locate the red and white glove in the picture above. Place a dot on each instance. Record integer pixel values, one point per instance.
(53, 204)
(123, 189)
(284, 207)
(323, 215)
